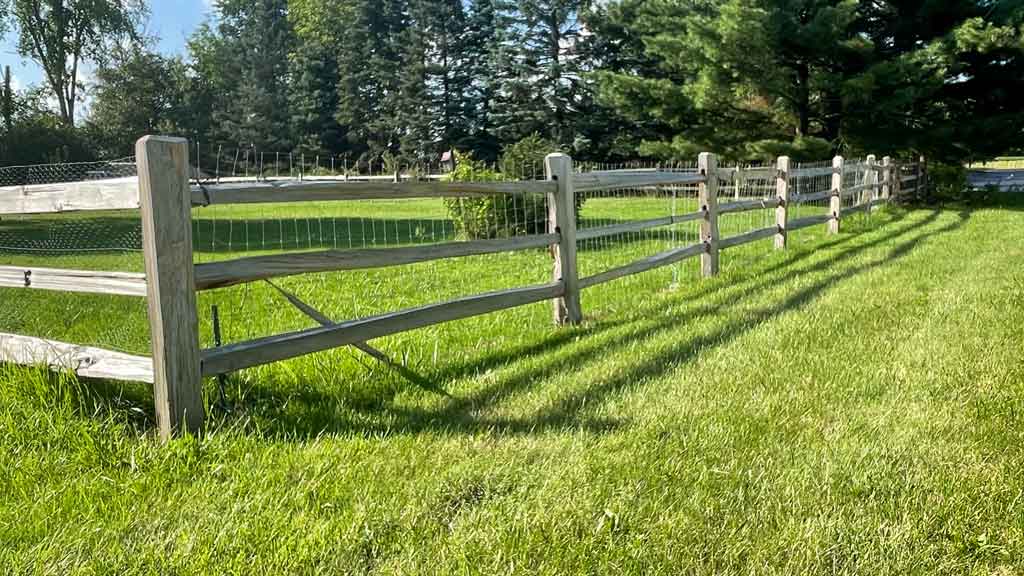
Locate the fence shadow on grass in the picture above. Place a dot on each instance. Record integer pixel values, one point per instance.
(306, 413)
(312, 412)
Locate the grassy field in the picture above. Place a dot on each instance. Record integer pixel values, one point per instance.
(854, 405)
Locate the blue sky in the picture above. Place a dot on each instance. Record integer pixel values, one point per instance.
(170, 20)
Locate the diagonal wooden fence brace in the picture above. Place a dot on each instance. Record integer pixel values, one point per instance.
(364, 347)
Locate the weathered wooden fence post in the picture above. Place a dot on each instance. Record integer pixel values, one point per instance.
(562, 219)
(870, 183)
(836, 199)
(896, 184)
(171, 298)
(707, 163)
(782, 210)
(921, 184)
(887, 178)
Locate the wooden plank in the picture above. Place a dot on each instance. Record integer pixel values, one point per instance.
(836, 203)
(752, 236)
(688, 217)
(910, 178)
(857, 188)
(925, 182)
(747, 205)
(808, 221)
(211, 275)
(85, 361)
(637, 225)
(865, 206)
(626, 171)
(281, 347)
(782, 192)
(87, 281)
(870, 187)
(590, 181)
(812, 172)
(321, 190)
(759, 173)
(805, 198)
(708, 198)
(613, 229)
(167, 245)
(649, 263)
(886, 173)
(363, 347)
(107, 194)
(562, 221)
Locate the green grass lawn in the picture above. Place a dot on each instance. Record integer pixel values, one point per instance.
(854, 404)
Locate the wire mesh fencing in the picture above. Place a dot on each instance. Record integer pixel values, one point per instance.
(616, 226)
(106, 240)
(651, 206)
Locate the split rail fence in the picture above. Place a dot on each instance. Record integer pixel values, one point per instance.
(165, 196)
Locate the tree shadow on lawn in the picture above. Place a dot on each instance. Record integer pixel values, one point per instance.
(312, 413)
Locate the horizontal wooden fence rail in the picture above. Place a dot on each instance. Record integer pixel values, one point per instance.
(231, 272)
(591, 181)
(807, 221)
(813, 197)
(84, 361)
(636, 225)
(108, 194)
(752, 236)
(318, 191)
(727, 175)
(86, 281)
(281, 347)
(747, 205)
(166, 197)
(650, 263)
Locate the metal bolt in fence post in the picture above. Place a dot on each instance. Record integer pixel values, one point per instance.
(562, 220)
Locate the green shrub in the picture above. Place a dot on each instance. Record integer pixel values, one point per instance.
(503, 216)
(946, 183)
(478, 218)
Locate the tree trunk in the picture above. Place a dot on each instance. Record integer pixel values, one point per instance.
(833, 118)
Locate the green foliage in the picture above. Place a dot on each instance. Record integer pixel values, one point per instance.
(525, 158)
(947, 183)
(60, 36)
(37, 135)
(504, 216)
(141, 93)
(478, 218)
(748, 78)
